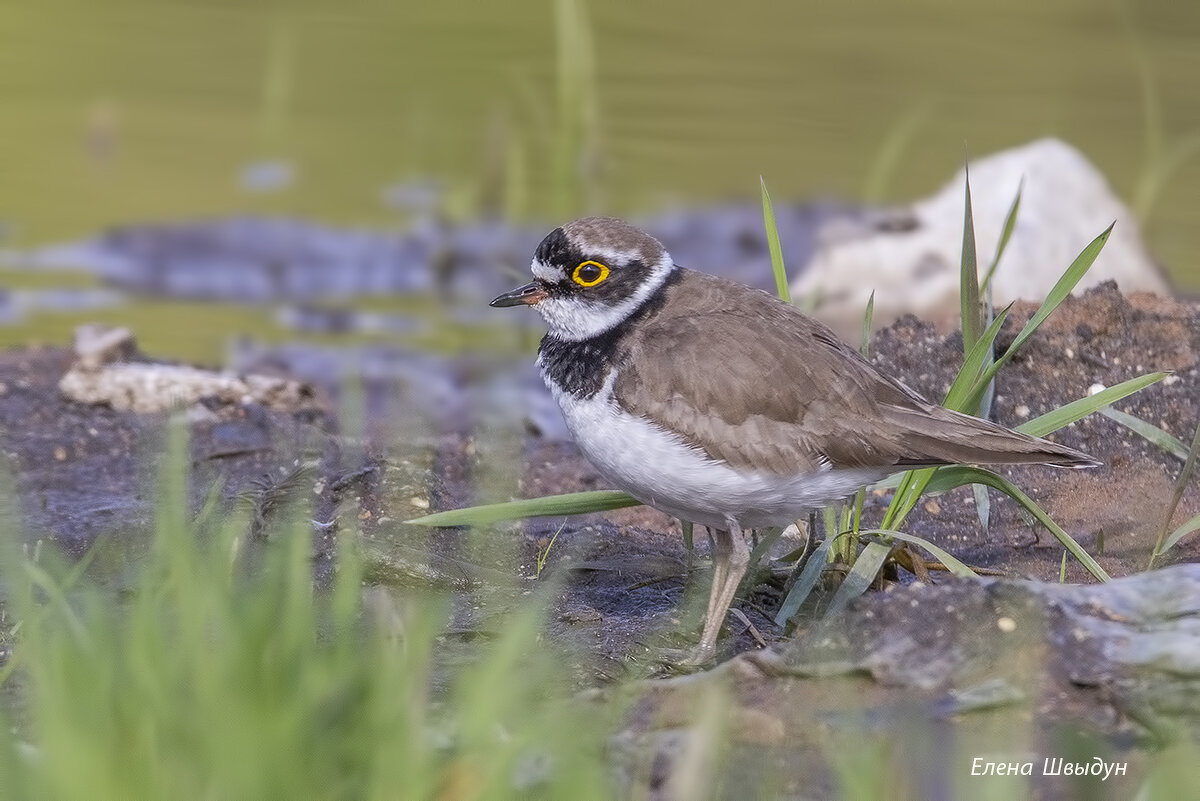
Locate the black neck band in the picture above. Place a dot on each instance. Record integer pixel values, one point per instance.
(579, 368)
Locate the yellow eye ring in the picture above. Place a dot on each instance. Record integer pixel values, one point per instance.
(589, 277)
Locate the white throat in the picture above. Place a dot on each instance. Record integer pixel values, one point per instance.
(576, 318)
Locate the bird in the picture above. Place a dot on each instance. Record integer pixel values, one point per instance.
(721, 404)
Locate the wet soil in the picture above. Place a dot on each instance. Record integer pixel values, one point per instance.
(86, 471)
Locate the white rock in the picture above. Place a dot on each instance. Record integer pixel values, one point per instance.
(1065, 203)
(100, 375)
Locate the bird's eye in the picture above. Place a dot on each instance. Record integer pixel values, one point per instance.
(589, 273)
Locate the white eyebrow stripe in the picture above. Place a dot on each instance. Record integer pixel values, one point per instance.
(610, 257)
(545, 273)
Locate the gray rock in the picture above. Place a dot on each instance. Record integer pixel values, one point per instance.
(911, 258)
(984, 642)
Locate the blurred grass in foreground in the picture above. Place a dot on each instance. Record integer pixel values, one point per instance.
(223, 674)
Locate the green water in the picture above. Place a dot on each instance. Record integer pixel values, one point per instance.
(116, 111)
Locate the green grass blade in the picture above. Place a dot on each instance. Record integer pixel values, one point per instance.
(903, 489)
(899, 138)
(1078, 409)
(868, 318)
(1181, 484)
(889, 483)
(866, 567)
(766, 541)
(1062, 288)
(575, 503)
(804, 585)
(948, 478)
(974, 365)
(689, 543)
(1010, 222)
(952, 564)
(575, 143)
(968, 282)
(983, 506)
(1054, 299)
(781, 279)
(1152, 433)
(1180, 533)
(983, 501)
(912, 487)
(1159, 172)
(829, 516)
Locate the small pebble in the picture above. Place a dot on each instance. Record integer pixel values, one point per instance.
(1006, 624)
(1021, 411)
(1096, 388)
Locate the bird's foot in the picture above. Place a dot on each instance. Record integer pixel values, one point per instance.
(677, 661)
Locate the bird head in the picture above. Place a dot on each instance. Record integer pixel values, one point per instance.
(590, 275)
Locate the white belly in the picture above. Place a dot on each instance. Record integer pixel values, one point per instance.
(658, 468)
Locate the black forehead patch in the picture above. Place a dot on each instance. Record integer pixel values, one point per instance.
(556, 250)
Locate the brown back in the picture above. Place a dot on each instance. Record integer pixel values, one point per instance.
(791, 397)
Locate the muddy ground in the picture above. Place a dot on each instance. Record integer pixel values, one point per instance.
(628, 586)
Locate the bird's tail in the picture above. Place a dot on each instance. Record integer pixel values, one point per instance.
(947, 437)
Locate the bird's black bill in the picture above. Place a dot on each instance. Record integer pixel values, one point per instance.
(526, 295)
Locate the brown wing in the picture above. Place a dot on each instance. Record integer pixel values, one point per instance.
(792, 397)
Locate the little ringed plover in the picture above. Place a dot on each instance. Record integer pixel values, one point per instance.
(722, 405)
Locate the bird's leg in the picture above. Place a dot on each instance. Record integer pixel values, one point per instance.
(719, 548)
(730, 557)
